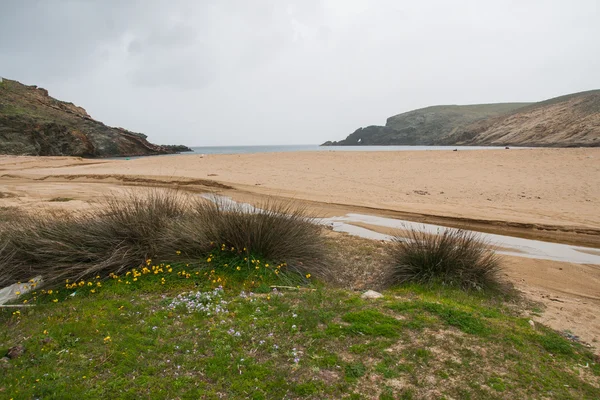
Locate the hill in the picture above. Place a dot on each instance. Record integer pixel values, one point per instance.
(567, 121)
(33, 123)
(426, 125)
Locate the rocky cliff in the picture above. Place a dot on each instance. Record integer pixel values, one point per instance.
(33, 123)
(426, 125)
(567, 121)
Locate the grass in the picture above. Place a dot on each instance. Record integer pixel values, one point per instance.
(156, 337)
(163, 297)
(452, 257)
(124, 232)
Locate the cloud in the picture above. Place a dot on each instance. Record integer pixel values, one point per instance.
(267, 71)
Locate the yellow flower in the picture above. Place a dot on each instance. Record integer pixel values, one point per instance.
(97, 276)
(67, 281)
(24, 301)
(93, 291)
(134, 279)
(98, 284)
(55, 301)
(90, 284)
(17, 293)
(170, 270)
(268, 297)
(208, 260)
(238, 268)
(308, 276)
(178, 252)
(45, 332)
(107, 339)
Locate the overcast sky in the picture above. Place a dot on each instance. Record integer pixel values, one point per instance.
(245, 72)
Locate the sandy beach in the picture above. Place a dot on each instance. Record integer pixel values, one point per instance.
(547, 188)
(548, 194)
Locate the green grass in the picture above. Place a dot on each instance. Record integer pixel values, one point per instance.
(114, 339)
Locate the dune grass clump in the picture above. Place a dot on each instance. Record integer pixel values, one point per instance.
(124, 232)
(453, 257)
(276, 231)
(119, 234)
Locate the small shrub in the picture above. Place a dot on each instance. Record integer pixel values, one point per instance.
(453, 257)
(275, 231)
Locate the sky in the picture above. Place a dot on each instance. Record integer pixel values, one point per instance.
(258, 72)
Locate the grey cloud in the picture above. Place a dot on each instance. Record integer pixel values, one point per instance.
(270, 71)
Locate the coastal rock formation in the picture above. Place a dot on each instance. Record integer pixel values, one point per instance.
(424, 126)
(33, 123)
(567, 121)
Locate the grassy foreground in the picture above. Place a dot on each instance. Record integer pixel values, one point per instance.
(148, 333)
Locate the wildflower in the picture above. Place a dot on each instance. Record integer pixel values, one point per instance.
(93, 291)
(55, 301)
(89, 283)
(294, 315)
(267, 265)
(98, 284)
(24, 301)
(97, 276)
(120, 308)
(170, 270)
(308, 276)
(178, 252)
(208, 259)
(17, 293)
(293, 326)
(45, 332)
(107, 339)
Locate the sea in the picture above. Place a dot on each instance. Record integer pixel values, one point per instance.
(316, 147)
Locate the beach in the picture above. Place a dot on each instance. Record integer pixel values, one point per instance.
(547, 187)
(546, 194)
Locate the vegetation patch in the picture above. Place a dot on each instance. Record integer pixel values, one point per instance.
(452, 257)
(200, 330)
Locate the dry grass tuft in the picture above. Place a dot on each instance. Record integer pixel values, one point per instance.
(123, 232)
(453, 257)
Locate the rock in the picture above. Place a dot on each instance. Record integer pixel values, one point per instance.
(34, 123)
(371, 294)
(15, 351)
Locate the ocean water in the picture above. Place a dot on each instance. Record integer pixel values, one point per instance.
(315, 147)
